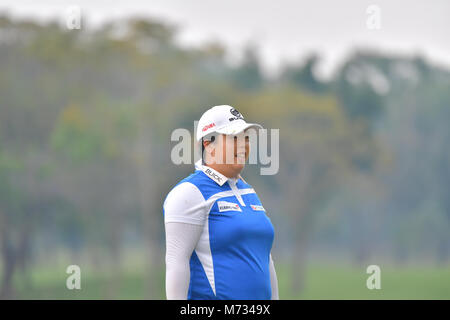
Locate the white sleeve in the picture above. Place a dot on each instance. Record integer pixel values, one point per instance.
(181, 240)
(273, 280)
(185, 203)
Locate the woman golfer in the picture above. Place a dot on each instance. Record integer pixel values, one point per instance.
(218, 236)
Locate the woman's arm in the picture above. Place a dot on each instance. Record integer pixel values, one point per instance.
(273, 279)
(184, 217)
(181, 239)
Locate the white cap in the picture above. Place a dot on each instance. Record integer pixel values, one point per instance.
(222, 119)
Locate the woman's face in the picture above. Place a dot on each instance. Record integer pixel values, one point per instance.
(231, 151)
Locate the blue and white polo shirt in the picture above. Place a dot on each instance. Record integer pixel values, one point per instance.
(231, 259)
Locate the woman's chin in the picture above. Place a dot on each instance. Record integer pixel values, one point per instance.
(237, 166)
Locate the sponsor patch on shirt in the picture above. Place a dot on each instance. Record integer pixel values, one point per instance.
(228, 206)
(257, 208)
(214, 175)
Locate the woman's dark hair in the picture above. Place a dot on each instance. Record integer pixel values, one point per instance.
(212, 138)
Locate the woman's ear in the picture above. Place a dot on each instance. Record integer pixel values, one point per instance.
(206, 143)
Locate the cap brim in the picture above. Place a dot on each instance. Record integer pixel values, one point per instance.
(238, 128)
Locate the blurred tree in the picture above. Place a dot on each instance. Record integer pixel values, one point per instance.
(359, 87)
(304, 77)
(248, 76)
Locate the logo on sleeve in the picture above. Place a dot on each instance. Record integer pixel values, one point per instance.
(228, 206)
(257, 208)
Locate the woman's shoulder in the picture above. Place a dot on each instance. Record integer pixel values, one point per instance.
(184, 203)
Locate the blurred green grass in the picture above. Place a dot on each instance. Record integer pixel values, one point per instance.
(322, 281)
(349, 282)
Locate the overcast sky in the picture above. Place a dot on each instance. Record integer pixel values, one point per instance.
(284, 30)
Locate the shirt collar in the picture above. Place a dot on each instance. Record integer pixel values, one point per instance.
(216, 176)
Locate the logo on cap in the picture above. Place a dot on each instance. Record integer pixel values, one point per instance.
(236, 113)
(208, 126)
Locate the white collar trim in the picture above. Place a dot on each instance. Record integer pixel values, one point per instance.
(219, 178)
